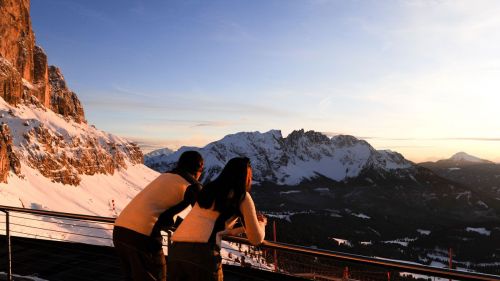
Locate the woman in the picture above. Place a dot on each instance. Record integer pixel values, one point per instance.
(195, 251)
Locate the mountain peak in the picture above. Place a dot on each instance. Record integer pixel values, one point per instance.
(461, 157)
(311, 136)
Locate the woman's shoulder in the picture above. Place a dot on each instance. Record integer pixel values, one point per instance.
(247, 201)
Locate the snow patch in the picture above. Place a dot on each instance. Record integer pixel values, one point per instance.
(423, 231)
(480, 230)
(403, 242)
(290, 192)
(362, 216)
(342, 241)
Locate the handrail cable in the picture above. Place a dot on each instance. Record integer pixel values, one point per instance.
(59, 231)
(59, 214)
(61, 223)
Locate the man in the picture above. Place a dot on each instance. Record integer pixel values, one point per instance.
(136, 234)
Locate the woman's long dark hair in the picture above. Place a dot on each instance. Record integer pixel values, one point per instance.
(228, 190)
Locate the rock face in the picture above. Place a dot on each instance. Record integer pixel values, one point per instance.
(8, 159)
(27, 76)
(11, 86)
(64, 158)
(61, 146)
(62, 100)
(17, 38)
(41, 76)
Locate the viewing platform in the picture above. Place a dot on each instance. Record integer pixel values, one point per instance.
(42, 245)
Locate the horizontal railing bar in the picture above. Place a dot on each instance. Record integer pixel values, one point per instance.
(58, 214)
(397, 265)
(392, 264)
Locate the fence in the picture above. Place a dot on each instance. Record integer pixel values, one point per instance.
(270, 257)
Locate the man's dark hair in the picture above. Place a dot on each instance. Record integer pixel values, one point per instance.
(190, 162)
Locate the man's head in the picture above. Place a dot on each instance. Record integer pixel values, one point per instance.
(191, 162)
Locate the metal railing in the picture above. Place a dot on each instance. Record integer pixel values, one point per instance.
(321, 264)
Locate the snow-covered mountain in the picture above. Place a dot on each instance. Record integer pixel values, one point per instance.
(50, 157)
(151, 158)
(462, 158)
(293, 159)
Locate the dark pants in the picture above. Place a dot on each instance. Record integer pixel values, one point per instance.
(142, 259)
(194, 262)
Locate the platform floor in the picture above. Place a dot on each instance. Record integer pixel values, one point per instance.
(61, 261)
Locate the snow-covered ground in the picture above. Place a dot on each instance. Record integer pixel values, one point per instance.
(237, 254)
(94, 195)
(98, 195)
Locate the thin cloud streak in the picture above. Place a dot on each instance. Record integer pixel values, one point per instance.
(148, 145)
(214, 124)
(489, 139)
(188, 105)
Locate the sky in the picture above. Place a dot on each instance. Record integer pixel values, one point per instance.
(417, 77)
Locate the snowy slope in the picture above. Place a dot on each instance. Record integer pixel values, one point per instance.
(31, 189)
(291, 160)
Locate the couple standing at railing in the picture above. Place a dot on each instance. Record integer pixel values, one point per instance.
(195, 251)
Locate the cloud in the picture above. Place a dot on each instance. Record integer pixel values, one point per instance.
(214, 124)
(150, 144)
(131, 93)
(470, 139)
(138, 101)
(487, 139)
(435, 139)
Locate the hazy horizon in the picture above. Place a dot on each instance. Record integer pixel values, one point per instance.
(416, 77)
(150, 146)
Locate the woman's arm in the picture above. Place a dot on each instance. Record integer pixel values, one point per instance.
(254, 228)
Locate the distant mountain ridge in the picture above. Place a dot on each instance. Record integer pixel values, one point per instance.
(461, 159)
(302, 155)
(479, 174)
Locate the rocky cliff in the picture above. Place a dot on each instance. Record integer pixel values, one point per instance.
(43, 123)
(17, 38)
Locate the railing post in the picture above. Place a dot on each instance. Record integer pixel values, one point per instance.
(275, 254)
(169, 239)
(9, 247)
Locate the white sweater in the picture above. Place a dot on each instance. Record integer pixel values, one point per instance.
(199, 223)
(141, 214)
